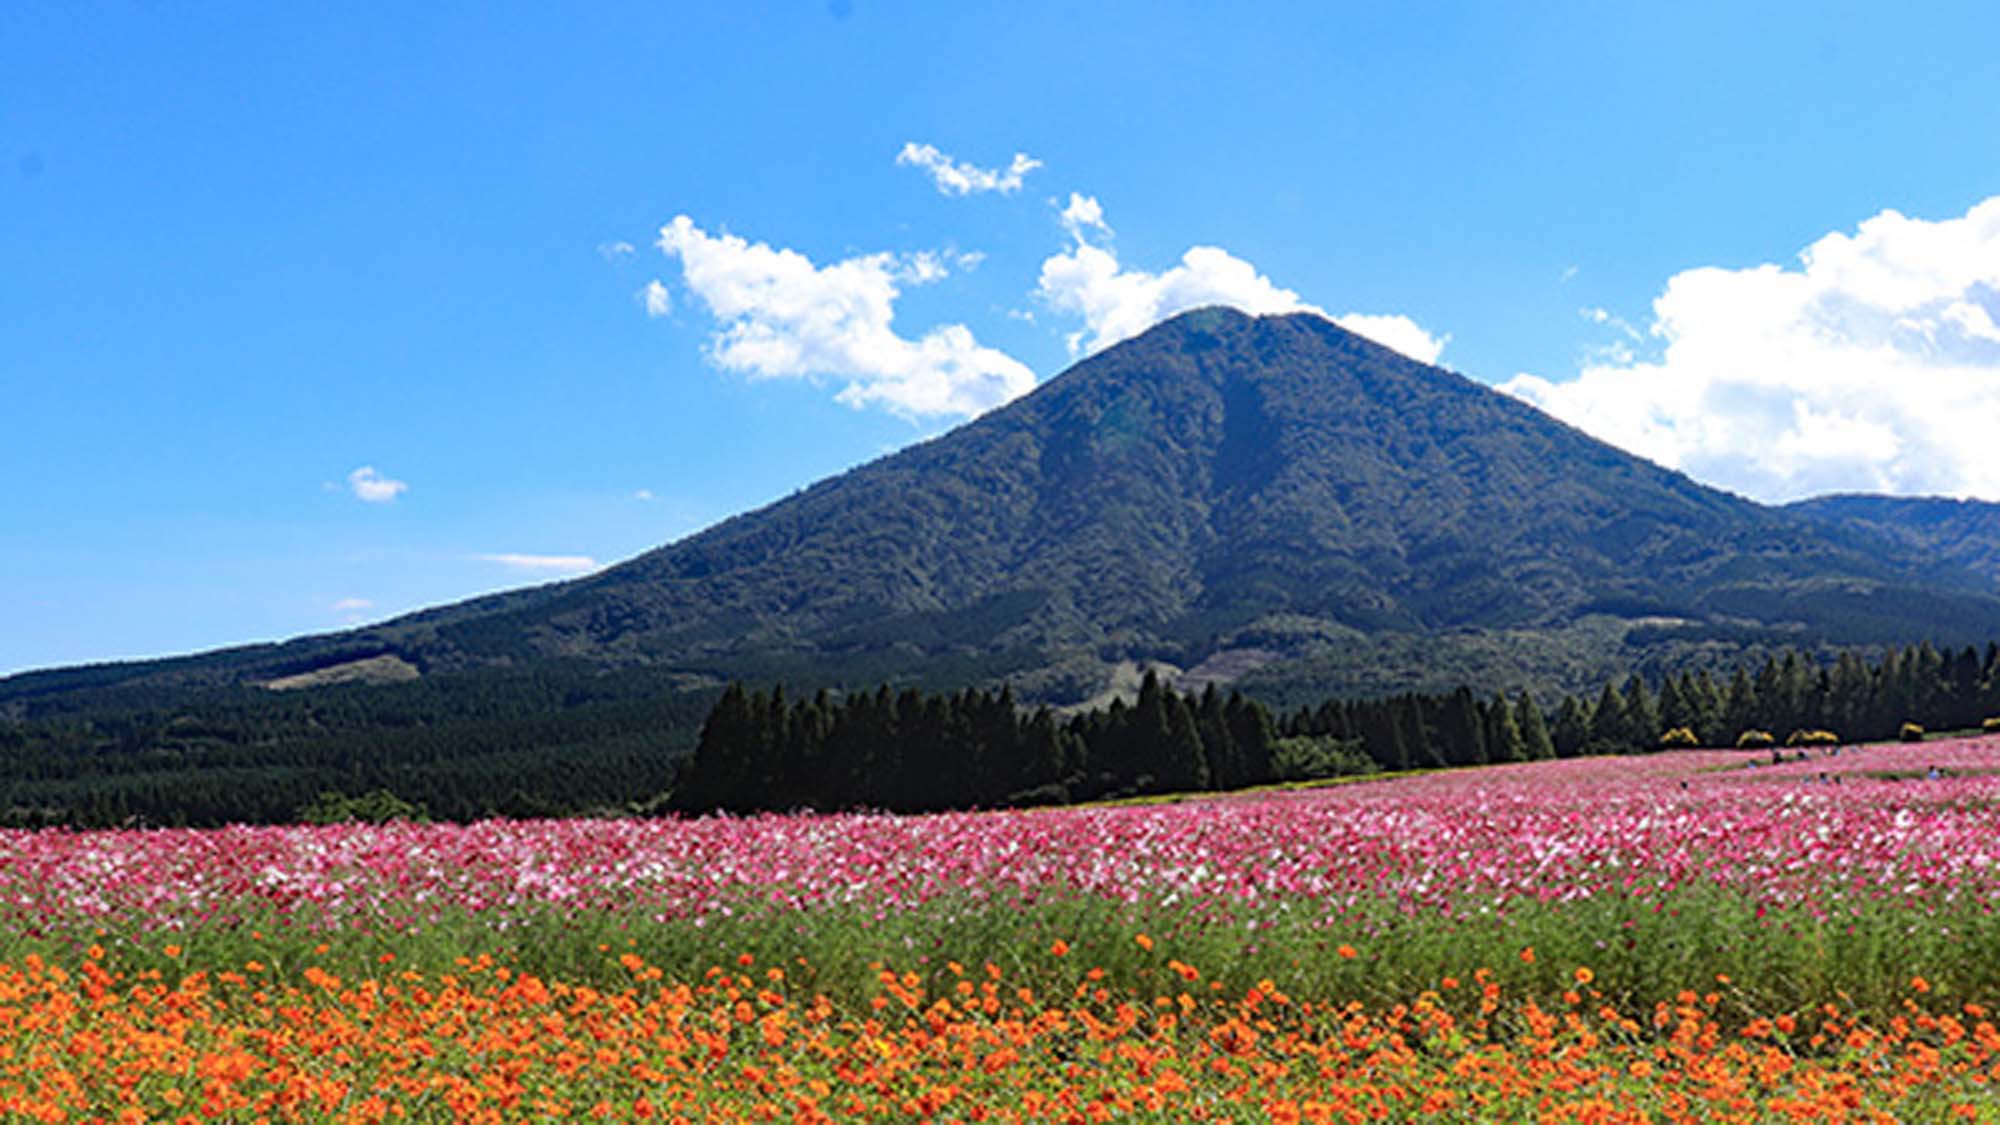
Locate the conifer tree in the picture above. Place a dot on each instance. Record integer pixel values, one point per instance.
(1705, 704)
(1415, 732)
(1740, 710)
(1044, 763)
(1572, 729)
(1503, 736)
(1256, 741)
(1674, 710)
(1382, 735)
(1225, 760)
(1182, 766)
(1610, 724)
(1460, 733)
(1642, 716)
(1535, 742)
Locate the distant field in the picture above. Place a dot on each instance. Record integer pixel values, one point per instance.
(1675, 937)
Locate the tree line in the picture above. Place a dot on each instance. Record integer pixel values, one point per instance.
(564, 741)
(545, 741)
(1857, 699)
(911, 751)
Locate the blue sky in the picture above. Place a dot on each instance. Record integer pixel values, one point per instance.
(261, 264)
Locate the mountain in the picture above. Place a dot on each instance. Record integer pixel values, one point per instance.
(1269, 498)
(1955, 535)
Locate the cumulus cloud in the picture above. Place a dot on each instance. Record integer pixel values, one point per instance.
(956, 177)
(1083, 218)
(612, 251)
(1398, 332)
(1872, 365)
(780, 316)
(543, 564)
(1117, 302)
(657, 300)
(373, 487)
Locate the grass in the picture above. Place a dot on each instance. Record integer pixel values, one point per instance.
(1183, 797)
(1461, 1007)
(1640, 951)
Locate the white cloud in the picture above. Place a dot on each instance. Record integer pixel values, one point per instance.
(1398, 332)
(1612, 319)
(555, 564)
(1117, 303)
(643, 494)
(782, 317)
(657, 300)
(1083, 216)
(373, 487)
(351, 605)
(612, 251)
(955, 177)
(1874, 365)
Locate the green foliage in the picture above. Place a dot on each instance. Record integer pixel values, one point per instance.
(1312, 757)
(377, 806)
(1756, 740)
(1536, 745)
(568, 738)
(1963, 534)
(1990, 724)
(1273, 490)
(1910, 732)
(1865, 956)
(910, 752)
(1679, 738)
(1802, 737)
(1221, 485)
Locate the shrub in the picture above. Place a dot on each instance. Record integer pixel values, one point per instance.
(1041, 796)
(377, 807)
(1679, 738)
(1990, 724)
(1812, 738)
(1755, 740)
(1312, 757)
(1910, 732)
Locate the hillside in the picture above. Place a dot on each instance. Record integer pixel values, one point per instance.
(1955, 535)
(1231, 495)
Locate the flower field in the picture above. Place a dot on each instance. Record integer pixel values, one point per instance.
(1670, 938)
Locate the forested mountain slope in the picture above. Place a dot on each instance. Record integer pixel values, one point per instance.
(1224, 493)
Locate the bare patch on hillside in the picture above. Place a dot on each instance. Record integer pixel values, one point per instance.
(387, 668)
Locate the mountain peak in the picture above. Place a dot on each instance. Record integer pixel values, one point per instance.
(1221, 482)
(1224, 491)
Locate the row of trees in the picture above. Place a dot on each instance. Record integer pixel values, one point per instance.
(561, 741)
(545, 741)
(910, 751)
(1862, 701)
